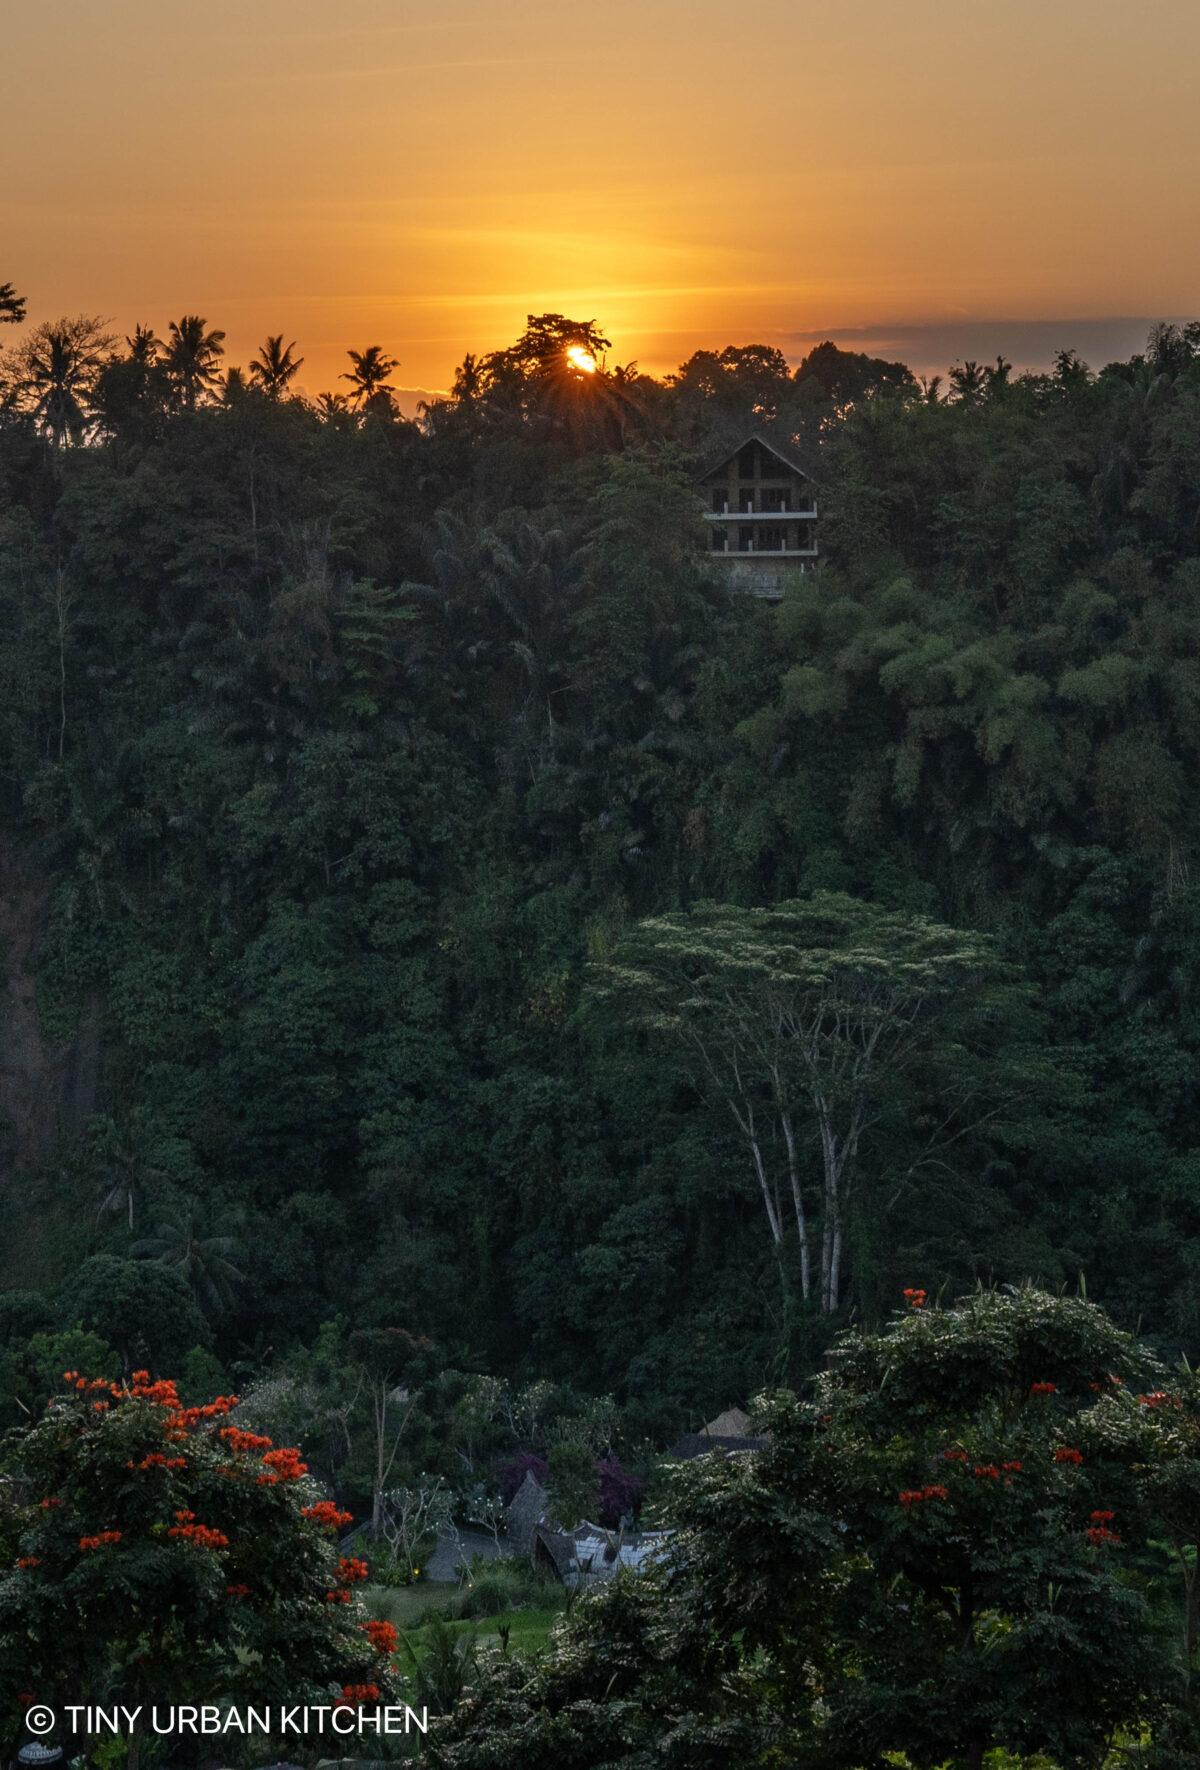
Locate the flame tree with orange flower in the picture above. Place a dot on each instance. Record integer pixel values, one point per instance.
(997, 1550)
(165, 1554)
(946, 1550)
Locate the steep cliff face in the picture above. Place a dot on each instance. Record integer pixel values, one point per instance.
(44, 1090)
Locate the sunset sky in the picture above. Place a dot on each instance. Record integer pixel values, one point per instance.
(896, 174)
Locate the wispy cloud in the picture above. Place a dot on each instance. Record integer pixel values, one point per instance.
(396, 71)
(1029, 343)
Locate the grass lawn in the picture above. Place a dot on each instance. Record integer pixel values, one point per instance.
(505, 1592)
(527, 1629)
(406, 1605)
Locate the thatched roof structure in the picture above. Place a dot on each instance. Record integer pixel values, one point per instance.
(729, 1432)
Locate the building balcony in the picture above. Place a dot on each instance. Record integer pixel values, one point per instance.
(764, 552)
(760, 515)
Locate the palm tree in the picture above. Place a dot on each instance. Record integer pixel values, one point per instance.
(968, 380)
(203, 1260)
(1136, 393)
(369, 378)
(626, 401)
(996, 379)
(530, 579)
(460, 552)
(125, 1166)
(192, 358)
(133, 391)
(57, 369)
(12, 306)
(275, 367)
(332, 407)
(144, 346)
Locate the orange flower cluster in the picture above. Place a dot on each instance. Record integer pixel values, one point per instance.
(1017, 1467)
(1067, 1453)
(180, 1422)
(84, 1387)
(156, 1460)
(162, 1393)
(212, 1410)
(915, 1297)
(238, 1591)
(282, 1465)
(29, 1561)
(1103, 1517)
(200, 1534)
(954, 1456)
(349, 1569)
(1157, 1398)
(352, 1694)
(239, 1440)
(1099, 1534)
(913, 1496)
(382, 1635)
(988, 1470)
(94, 1542)
(46, 1504)
(325, 1512)
(1042, 1389)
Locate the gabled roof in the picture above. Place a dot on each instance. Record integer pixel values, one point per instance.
(553, 1551)
(526, 1509)
(733, 1423)
(593, 1553)
(791, 458)
(702, 1444)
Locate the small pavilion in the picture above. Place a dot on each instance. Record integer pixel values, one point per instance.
(760, 515)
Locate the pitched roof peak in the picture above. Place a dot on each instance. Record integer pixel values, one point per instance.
(782, 451)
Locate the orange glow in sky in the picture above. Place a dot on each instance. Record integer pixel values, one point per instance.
(686, 174)
(582, 359)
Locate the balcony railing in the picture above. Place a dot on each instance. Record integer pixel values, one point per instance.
(728, 515)
(728, 552)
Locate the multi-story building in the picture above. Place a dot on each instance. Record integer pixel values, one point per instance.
(760, 515)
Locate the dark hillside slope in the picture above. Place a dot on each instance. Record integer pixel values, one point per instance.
(337, 746)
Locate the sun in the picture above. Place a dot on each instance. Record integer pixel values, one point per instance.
(581, 359)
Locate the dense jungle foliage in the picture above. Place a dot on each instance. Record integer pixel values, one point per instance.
(347, 752)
